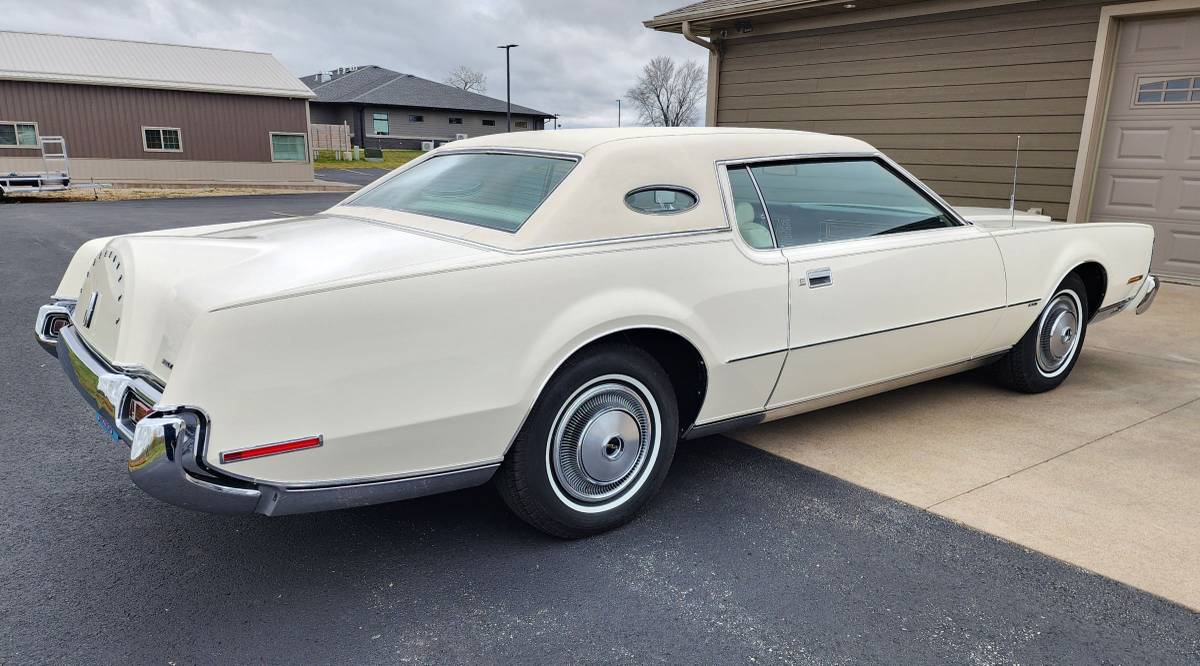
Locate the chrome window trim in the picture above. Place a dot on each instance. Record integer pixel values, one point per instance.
(887, 162)
(763, 202)
(662, 186)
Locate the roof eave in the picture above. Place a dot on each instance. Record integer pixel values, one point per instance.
(156, 85)
(702, 20)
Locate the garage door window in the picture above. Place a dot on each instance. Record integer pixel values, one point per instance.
(287, 148)
(821, 201)
(1168, 90)
(21, 135)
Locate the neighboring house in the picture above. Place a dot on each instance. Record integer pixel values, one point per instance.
(1105, 96)
(136, 112)
(402, 110)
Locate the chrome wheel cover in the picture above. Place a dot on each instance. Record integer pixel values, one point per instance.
(1059, 330)
(603, 441)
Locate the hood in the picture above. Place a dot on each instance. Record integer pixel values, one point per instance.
(1002, 218)
(143, 292)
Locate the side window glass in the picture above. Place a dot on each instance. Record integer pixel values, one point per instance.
(819, 202)
(751, 218)
(660, 200)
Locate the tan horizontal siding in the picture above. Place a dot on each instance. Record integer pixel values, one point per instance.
(1056, 53)
(1066, 142)
(981, 22)
(945, 94)
(1024, 107)
(1080, 33)
(1000, 125)
(971, 75)
(913, 95)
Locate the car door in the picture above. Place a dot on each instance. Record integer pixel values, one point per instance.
(884, 280)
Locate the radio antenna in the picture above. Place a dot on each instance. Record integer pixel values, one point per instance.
(1012, 198)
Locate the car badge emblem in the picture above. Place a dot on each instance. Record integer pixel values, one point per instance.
(91, 309)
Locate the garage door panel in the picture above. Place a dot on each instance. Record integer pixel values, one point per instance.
(1149, 166)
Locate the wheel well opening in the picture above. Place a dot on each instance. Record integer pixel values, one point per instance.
(1095, 280)
(681, 361)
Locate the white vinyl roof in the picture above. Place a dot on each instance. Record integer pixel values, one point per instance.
(28, 56)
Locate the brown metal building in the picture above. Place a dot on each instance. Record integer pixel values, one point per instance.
(1105, 96)
(134, 112)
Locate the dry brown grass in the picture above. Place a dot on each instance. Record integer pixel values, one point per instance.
(134, 193)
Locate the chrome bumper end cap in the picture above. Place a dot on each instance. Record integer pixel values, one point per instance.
(162, 449)
(1151, 291)
(49, 315)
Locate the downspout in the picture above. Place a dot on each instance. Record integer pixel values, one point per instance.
(714, 72)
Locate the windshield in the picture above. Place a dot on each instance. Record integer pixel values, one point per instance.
(493, 190)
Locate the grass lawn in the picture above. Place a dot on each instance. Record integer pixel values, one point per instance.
(391, 160)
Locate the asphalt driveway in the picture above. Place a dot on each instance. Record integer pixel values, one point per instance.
(744, 557)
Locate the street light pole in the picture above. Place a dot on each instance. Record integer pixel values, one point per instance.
(508, 82)
(618, 113)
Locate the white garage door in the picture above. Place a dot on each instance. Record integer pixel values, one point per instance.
(1149, 168)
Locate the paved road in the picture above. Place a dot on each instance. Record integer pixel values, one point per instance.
(355, 176)
(743, 557)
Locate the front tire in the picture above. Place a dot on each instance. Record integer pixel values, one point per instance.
(596, 446)
(1048, 351)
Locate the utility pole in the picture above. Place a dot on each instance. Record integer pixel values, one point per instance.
(508, 82)
(618, 113)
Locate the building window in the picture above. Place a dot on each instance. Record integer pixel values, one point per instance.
(288, 147)
(521, 124)
(20, 135)
(381, 123)
(1167, 90)
(456, 120)
(162, 140)
(488, 122)
(416, 119)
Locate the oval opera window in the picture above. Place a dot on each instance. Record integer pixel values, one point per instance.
(661, 200)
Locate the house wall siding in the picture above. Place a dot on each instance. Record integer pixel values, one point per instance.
(945, 94)
(106, 122)
(405, 134)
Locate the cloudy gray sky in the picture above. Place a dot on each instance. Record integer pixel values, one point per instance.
(575, 58)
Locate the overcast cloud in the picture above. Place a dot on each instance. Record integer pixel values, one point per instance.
(575, 57)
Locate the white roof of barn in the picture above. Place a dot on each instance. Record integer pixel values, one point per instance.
(26, 56)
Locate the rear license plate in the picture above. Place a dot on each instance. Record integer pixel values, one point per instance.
(108, 429)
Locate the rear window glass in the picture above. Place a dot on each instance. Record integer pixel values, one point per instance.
(493, 190)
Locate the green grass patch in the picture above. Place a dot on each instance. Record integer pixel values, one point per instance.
(391, 160)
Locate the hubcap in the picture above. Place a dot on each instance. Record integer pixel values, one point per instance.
(1058, 333)
(601, 441)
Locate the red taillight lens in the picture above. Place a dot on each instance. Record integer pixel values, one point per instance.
(56, 325)
(271, 449)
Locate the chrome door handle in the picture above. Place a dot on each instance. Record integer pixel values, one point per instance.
(819, 277)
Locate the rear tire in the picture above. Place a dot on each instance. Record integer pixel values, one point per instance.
(1048, 351)
(596, 446)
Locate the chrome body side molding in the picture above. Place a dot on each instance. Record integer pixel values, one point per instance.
(836, 398)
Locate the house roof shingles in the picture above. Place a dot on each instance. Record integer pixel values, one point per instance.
(377, 86)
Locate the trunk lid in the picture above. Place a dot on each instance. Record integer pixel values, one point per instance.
(143, 292)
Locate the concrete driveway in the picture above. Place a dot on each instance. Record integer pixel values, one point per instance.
(1103, 472)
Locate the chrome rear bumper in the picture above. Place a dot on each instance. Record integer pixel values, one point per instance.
(166, 450)
(1148, 294)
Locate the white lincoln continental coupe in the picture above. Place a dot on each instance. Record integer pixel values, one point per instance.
(554, 311)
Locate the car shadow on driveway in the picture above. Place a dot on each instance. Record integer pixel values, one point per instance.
(742, 555)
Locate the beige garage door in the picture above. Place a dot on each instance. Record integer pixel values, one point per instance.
(1149, 168)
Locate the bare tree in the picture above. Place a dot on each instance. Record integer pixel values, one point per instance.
(668, 94)
(468, 79)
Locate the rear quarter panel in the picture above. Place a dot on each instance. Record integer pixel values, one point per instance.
(438, 371)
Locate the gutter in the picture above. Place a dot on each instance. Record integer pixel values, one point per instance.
(714, 72)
